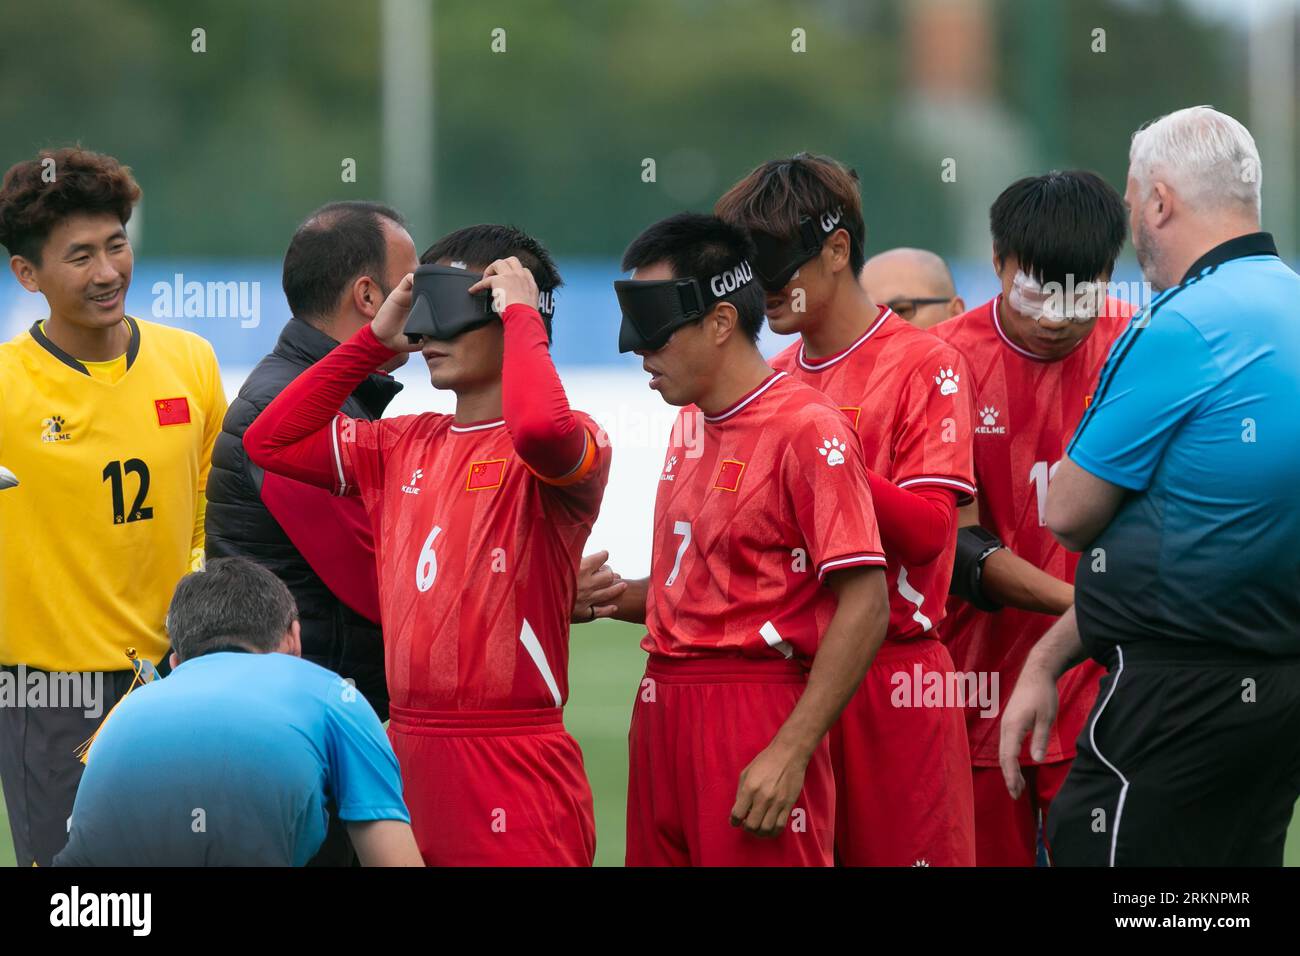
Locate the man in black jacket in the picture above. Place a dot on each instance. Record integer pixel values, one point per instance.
(340, 266)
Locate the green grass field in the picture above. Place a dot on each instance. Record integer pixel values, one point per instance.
(605, 665)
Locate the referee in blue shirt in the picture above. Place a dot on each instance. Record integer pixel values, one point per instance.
(232, 759)
(1181, 488)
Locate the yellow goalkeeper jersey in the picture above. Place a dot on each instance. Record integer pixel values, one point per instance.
(108, 511)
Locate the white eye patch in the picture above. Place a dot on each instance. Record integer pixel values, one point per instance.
(1076, 302)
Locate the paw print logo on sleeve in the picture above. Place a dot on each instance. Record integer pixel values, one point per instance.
(833, 451)
(947, 381)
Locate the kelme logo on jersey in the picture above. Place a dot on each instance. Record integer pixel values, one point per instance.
(729, 473)
(833, 451)
(55, 428)
(731, 280)
(988, 416)
(947, 381)
(485, 475)
(409, 488)
(668, 470)
(172, 411)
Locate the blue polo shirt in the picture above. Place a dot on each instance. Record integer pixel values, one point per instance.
(231, 761)
(1197, 415)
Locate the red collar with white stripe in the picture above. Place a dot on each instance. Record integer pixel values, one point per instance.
(767, 383)
(478, 426)
(820, 365)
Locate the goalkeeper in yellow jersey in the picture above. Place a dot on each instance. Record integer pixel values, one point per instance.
(106, 430)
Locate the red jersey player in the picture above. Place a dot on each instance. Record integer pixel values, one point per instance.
(765, 600)
(479, 521)
(901, 759)
(1034, 361)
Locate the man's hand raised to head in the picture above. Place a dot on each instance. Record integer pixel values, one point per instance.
(511, 284)
(388, 323)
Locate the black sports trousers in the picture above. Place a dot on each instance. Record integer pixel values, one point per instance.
(1190, 757)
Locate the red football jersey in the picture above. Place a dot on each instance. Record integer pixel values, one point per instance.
(908, 396)
(1026, 410)
(477, 558)
(755, 506)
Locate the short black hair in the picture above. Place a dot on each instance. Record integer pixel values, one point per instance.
(1060, 224)
(698, 246)
(480, 246)
(336, 245)
(233, 602)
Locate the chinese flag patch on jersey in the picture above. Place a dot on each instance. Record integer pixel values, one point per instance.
(729, 475)
(485, 474)
(172, 411)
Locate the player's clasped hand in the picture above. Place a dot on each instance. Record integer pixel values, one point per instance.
(598, 586)
(510, 282)
(768, 789)
(389, 321)
(1032, 707)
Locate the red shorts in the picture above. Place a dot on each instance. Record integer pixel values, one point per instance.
(696, 725)
(902, 773)
(494, 788)
(1006, 830)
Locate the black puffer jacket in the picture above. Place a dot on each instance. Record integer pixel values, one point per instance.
(238, 524)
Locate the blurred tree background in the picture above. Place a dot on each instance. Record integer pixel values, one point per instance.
(236, 144)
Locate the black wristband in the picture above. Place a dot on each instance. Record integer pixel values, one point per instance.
(974, 545)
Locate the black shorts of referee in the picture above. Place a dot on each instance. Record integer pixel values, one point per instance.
(1190, 757)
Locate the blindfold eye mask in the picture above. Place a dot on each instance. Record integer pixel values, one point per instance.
(777, 259)
(442, 307)
(653, 311)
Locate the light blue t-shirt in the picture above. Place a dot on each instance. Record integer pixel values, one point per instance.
(231, 760)
(1197, 415)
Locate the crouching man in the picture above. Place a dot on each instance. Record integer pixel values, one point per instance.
(231, 759)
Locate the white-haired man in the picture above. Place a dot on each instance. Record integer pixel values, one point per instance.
(1180, 487)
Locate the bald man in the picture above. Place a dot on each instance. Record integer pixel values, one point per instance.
(915, 284)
